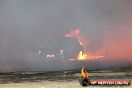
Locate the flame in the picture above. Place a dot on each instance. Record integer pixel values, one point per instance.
(84, 72)
(83, 54)
(86, 56)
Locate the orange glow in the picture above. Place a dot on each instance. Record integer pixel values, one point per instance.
(81, 39)
(83, 54)
(73, 33)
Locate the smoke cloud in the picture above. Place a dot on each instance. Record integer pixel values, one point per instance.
(27, 25)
